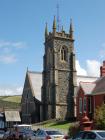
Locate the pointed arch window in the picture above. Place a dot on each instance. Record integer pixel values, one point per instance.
(64, 53)
(85, 103)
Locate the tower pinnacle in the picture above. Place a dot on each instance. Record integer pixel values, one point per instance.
(71, 29)
(54, 25)
(46, 31)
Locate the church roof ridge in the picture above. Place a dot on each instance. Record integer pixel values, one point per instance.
(35, 72)
(87, 82)
(39, 72)
(87, 76)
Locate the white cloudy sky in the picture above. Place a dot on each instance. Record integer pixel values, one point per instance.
(92, 68)
(10, 90)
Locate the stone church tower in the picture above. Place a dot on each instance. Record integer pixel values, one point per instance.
(59, 75)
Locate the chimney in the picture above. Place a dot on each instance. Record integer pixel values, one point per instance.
(102, 69)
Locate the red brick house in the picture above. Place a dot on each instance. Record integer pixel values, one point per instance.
(90, 95)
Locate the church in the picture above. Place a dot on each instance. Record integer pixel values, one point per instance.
(51, 94)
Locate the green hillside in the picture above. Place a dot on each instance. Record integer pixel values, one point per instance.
(11, 102)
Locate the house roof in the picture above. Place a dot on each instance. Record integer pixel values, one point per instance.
(12, 116)
(94, 88)
(82, 78)
(100, 86)
(35, 79)
(87, 87)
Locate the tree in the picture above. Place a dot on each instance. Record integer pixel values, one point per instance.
(99, 117)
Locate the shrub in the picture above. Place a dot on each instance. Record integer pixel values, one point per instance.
(99, 117)
(73, 129)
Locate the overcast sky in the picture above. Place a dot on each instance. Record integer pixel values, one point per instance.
(22, 25)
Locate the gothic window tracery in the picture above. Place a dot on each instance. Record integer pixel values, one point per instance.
(63, 53)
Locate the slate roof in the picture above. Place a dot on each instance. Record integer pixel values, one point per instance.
(87, 87)
(81, 78)
(100, 86)
(94, 88)
(35, 79)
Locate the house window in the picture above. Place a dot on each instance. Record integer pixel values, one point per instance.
(64, 54)
(85, 104)
(89, 105)
(80, 105)
(104, 99)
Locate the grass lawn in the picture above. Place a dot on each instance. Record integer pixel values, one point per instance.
(11, 102)
(15, 99)
(54, 124)
(59, 125)
(62, 126)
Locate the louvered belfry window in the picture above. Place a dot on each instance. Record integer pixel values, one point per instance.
(64, 54)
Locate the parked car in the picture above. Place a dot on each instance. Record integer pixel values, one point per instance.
(10, 135)
(50, 135)
(23, 131)
(22, 126)
(30, 135)
(6, 135)
(90, 135)
(2, 134)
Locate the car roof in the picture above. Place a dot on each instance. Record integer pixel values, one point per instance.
(98, 130)
(22, 125)
(49, 130)
(93, 131)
